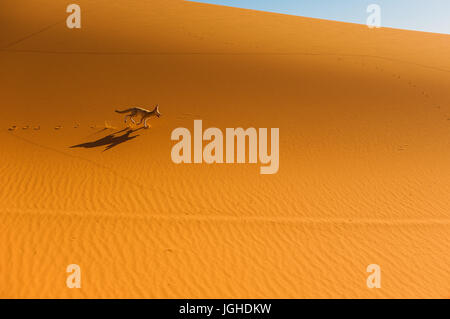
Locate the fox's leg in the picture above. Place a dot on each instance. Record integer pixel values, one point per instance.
(145, 123)
(133, 113)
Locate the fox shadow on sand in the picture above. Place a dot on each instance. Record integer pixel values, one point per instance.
(111, 140)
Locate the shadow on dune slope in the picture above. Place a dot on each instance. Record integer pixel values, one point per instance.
(111, 140)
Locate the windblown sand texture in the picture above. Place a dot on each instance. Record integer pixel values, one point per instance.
(364, 118)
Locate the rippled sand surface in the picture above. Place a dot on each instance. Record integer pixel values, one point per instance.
(364, 118)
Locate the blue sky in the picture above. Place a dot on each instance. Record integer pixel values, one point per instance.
(421, 15)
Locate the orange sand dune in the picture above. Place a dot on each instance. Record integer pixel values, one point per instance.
(364, 118)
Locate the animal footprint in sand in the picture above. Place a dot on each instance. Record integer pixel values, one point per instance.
(12, 128)
(403, 147)
(37, 128)
(26, 127)
(58, 127)
(109, 126)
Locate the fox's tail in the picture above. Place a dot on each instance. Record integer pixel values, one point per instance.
(124, 111)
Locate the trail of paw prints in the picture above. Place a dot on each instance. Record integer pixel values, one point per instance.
(25, 128)
(426, 96)
(36, 127)
(402, 147)
(59, 127)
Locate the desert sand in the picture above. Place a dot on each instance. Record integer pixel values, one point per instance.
(364, 178)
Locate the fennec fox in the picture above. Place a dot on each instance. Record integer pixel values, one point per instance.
(143, 113)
